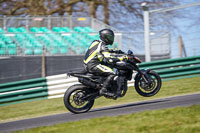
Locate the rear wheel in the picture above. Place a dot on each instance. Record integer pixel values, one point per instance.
(73, 99)
(151, 89)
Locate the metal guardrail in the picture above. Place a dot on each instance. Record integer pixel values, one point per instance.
(56, 85)
(22, 90)
(170, 62)
(174, 67)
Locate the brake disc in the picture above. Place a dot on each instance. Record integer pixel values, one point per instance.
(146, 86)
(77, 98)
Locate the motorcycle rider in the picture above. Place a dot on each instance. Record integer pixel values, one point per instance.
(99, 59)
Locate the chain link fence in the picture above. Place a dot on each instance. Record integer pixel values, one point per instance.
(176, 22)
(123, 40)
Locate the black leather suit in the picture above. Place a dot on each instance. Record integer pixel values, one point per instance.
(99, 60)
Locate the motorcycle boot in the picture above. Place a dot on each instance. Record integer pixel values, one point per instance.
(120, 80)
(104, 91)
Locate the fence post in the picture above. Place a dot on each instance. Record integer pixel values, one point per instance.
(181, 47)
(43, 63)
(146, 36)
(70, 21)
(4, 22)
(92, 22)
(27, 22)
(49, 22)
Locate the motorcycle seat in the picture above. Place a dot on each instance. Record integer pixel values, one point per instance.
(80, 71)
(83, 73)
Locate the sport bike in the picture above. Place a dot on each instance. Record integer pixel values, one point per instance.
(79, 98)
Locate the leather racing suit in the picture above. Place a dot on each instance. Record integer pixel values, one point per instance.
(99, 60)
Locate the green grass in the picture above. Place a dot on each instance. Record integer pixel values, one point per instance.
(54, 106)
(175, 120)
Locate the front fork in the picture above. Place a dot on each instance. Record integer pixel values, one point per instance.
(145, 76)
(143, 73)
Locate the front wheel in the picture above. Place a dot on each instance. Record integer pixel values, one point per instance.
(151, 89)
(73, 99)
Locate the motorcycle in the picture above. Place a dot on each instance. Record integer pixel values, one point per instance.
(79, 98)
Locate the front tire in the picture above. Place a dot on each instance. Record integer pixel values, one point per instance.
(73, 101)
(148, 90)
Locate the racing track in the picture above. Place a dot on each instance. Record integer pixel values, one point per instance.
(169, 102)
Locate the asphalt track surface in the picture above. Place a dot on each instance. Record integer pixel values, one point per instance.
(169, 102)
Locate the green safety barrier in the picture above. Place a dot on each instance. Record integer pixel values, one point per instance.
(23, 97)
(176, 70)
(180, 74)
(169, 61)
(175, 64)
(169, 68)
(5, 85)
(21, 87)
(23, 90)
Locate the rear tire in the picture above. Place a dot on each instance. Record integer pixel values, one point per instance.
(73, 101)
(148, 91)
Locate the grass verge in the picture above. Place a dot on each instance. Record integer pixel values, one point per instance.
(54, 106)
(175, 120)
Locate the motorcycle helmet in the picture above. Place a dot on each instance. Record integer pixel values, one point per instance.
(107, 36)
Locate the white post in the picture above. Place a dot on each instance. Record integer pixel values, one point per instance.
(70, 22)
(120, 42)
(27, 22)
(146, 23)
(4, 22)
(92, 22)
(146, 37)
(49, 22)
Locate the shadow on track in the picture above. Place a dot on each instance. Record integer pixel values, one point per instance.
(125, 106)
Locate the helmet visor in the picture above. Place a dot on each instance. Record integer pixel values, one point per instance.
(110, 39)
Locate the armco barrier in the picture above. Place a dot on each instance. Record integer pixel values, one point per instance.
(23, 90)
(168, 63)
(55, 86)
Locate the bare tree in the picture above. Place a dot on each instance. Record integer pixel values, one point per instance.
(118, 13)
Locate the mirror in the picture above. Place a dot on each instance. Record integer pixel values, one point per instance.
(130, 52)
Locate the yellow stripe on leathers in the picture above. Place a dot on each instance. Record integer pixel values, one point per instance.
(104, 68)
(93, 54)
(93, 44)
(90, 57)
